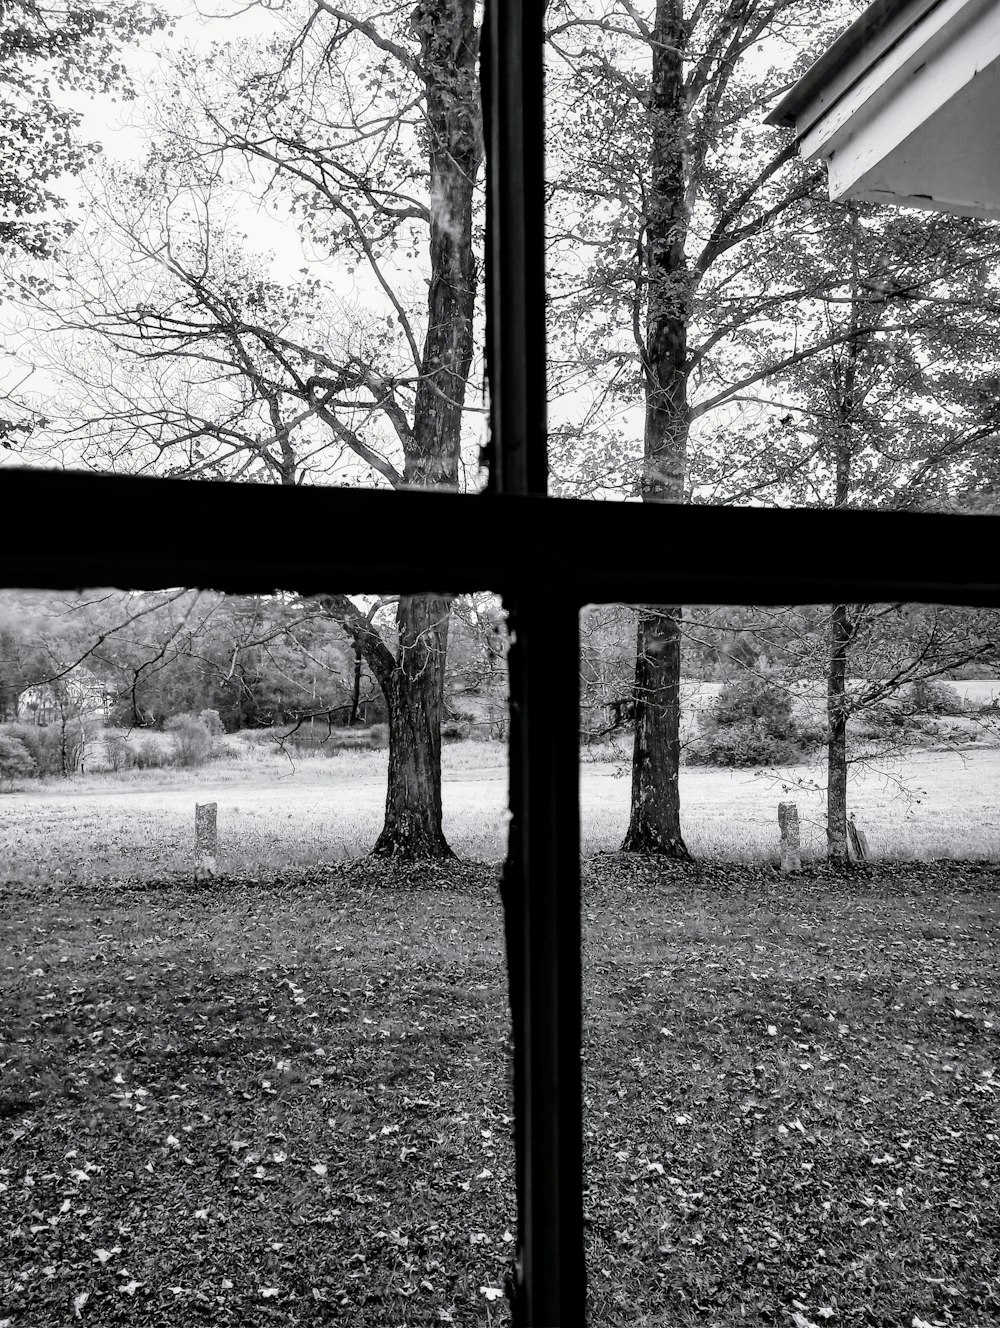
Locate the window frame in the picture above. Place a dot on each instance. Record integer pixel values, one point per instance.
(547, 557)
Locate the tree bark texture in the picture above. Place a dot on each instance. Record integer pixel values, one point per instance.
(449, 42)
(414, 688)
(356, 684)
(836, 710)
(654, 823)
(841, 624)
(414, 693)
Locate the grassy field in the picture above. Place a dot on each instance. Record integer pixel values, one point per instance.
(274, 812)
(288, 1103)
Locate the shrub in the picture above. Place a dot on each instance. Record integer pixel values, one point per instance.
(744, 744)
(192, 741)
(749, 699)
(16, 761)
(213, 722)
(120, 754)
(929, 696)
(455, 730)
(324, 741)
(751, 723)
(43, 743)
(150, 755)
(885, 723)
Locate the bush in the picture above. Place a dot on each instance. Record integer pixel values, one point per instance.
(120, 754)
(16, 761)
(43, 743)
(324, 741)
(192, 741)
(929, 696)
(751, 723)
(148, 754)
(752, 699)
(886, 723)
(455, 730)
(745, 744)
(213, 722)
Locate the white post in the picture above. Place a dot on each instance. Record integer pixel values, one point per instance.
(788, 820)
(206, 839)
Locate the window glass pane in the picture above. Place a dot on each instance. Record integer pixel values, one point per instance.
(720, 331)
(784, 1009)
(272, 266)
(282, 1086)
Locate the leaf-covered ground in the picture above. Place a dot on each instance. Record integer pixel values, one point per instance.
(286, 1101)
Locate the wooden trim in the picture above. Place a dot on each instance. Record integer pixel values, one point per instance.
(874, 33)
(63, 530)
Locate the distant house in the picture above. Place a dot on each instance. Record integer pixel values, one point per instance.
(79, 693)
(904, 107)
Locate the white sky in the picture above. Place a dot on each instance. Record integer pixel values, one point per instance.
(123, 129)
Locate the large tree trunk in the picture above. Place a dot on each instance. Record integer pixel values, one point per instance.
(836, 710)
(414, 693)
(356, 685)
(841, 624)
(654, 823)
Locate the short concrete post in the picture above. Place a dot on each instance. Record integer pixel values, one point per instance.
(858, 840)
(788, 820)
(206, 839)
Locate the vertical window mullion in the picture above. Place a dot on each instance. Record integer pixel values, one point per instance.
(513, 119)
(541, 886)
(542, 919)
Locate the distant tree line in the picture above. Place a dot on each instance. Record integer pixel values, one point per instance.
(140, 660)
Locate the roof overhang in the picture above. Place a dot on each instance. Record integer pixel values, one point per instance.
(905, 107)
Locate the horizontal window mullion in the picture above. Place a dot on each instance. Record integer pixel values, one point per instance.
(63, 530)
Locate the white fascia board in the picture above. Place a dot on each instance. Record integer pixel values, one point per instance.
(951, 163)
(905, 85)
(833, 86)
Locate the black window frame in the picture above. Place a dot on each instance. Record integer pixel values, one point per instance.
(547, 557)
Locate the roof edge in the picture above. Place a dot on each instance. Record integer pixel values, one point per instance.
(865, 29)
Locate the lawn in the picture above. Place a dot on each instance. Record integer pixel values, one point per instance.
(275, 813)
(286, 1101)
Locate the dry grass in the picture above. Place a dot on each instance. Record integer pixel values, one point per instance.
(922, 806)
(274, 812)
